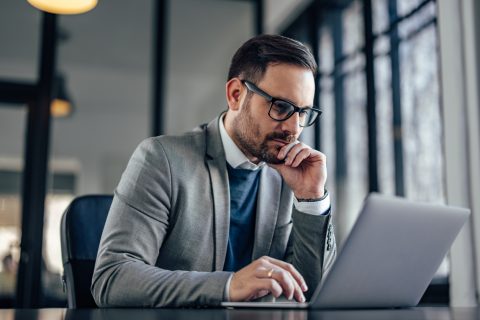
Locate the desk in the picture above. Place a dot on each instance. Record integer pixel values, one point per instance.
(430, 313)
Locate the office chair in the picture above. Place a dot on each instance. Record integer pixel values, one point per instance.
(80, 232)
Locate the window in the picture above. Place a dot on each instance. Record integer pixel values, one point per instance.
(407, 117)
(422, 131)
(384, 105)
(351, 65)
(61, 191)
(12, 122)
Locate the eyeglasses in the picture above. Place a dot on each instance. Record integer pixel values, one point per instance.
(281, 110)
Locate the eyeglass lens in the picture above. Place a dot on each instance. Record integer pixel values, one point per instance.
(281, 110)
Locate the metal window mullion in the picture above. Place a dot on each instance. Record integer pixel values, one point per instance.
(259, 13)
(314, 40)
(393, 24)
(371, 99)
(340, 128)
(396, 101)
(160, 28)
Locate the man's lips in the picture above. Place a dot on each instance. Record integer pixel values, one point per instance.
(281, 141)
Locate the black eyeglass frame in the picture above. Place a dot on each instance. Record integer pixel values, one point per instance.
(253, 88)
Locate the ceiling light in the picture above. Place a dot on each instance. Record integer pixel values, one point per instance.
(64, 6)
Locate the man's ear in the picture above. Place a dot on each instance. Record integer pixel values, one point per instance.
(233, 90)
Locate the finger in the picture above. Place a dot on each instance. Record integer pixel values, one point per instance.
(293, 153)
(287, 266)
(261, 293)
(291, 287)
(286, 149)
(268, 284)
(313, 156)
(264, 264)
(299, 296)
(284, 278)
(302, 155)
(297, 291)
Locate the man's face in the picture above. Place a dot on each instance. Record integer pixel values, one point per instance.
(259, 136)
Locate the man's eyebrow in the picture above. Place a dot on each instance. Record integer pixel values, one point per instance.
(290, 101)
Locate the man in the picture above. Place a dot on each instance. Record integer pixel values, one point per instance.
(233, 210)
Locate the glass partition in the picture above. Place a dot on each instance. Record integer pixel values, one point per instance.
(12, 122)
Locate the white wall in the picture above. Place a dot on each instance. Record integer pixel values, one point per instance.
(460, 101)
(280, 13)
(203, 38)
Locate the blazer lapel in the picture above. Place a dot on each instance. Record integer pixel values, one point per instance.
(216, 163)
(268, 202)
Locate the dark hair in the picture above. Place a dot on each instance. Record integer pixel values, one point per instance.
(252, 59)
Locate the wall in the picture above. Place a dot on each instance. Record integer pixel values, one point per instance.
(460, 101)
(202, 40)
(280, 13)
(107, 61)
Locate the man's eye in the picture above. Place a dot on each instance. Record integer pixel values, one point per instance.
(282, 107)
(303, 113)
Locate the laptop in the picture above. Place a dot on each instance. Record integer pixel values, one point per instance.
(387, 260)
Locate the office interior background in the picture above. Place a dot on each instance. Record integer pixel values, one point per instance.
(398, 83)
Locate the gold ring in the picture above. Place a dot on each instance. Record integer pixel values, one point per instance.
(270, 272)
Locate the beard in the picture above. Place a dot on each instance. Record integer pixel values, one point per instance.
(249, 139)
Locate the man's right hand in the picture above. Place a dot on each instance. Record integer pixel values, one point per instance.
(267, 275)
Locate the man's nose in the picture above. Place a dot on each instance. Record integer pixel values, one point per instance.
(292, 124)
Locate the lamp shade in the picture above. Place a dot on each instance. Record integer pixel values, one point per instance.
(61, 105)
(60, 108)
(64, 6)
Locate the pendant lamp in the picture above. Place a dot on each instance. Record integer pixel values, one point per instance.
(62, 104)
(64, 6)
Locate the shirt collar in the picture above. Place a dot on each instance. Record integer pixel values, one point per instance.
(235, 157)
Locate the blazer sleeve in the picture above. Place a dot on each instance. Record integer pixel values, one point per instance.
(125, 273)
(311, 247)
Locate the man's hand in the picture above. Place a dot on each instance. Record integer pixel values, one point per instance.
(304, 170)
(267, 275)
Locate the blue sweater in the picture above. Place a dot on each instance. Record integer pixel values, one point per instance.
(243, 202)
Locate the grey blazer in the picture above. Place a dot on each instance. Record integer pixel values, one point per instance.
(165, 238)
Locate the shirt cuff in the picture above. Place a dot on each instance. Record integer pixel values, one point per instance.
(316, 208)
(226, 293)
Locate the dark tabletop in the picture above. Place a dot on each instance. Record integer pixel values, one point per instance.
(427, 313)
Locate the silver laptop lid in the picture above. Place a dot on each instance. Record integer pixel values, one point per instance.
(391, 254)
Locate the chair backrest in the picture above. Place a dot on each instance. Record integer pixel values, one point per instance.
(81, 228)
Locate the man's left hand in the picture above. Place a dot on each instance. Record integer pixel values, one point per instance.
(304, 170)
